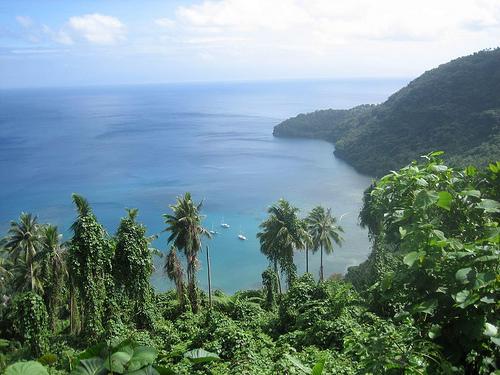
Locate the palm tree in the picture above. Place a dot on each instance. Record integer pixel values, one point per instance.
(282, 233)
(54, 270)
(174, 271)
(324, 231)
(186, 231)
(23, 242)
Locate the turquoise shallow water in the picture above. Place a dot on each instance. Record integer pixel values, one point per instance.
(142, 146)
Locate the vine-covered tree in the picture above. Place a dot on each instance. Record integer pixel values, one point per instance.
(270, 284)
(90, 263)
(175, 272)
(186, 231)
(324, 231)
(133, 267)
(282, 233)
(30, 321)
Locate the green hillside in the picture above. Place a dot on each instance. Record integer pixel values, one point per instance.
(454, 107)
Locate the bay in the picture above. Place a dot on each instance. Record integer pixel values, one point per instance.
(141, 146)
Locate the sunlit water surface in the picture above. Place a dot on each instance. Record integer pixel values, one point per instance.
(141, 146)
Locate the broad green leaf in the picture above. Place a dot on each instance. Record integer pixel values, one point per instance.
(488, 300)
(201, 356)
(318, 367)
(439, 168)
(489, 205)
(298, 364)
(402, 232)
(94, 351)
(26, 368)
(426, 307)
(90, 366)
(484, 278)
(422, 182)
(142, 356)
(439, 234)
(461, 296)
(471, 193)
(490, 330)
(465, 298)
(462, 275)
(495, 340)
(435, 331)
(444, 200)
(410, 258)
(426, 198)
(117, 362)
(493, 234)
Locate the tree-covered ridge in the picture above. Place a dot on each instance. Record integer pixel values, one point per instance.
(454, 107)
(425, 302)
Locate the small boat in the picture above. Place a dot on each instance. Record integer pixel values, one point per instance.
(241, 236)
(224, 225)
(212, 231)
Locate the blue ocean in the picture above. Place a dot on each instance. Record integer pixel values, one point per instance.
(141, 146)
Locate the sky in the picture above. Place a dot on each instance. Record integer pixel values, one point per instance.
(103, 42)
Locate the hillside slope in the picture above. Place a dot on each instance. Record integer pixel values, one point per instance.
(454, 107)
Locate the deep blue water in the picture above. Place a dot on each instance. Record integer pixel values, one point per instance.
(141, 146)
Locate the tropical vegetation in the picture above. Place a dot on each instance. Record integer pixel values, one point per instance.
(454, 107)
(426, 301)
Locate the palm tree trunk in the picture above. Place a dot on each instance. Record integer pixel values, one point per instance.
(307, 259)
(32, 280)
(277, 275)
(71, 312)
(321, 265)
(193, 295)
(209, 279)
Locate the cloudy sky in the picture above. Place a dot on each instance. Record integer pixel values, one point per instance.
(64, 43)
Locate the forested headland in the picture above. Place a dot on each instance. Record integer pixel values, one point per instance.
(454, 107)
(425, 301)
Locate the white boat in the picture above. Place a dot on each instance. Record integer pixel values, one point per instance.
(224, 225)
(241, 236)
(212, 231)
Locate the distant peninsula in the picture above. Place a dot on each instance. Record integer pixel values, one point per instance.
(454, 107)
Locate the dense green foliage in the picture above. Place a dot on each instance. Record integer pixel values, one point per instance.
(425, 301)
(455, 108)
(30, 321)
(90, 257)
(132, 269)
(437, 257)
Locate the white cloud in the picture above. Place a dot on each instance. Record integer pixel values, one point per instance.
(332, 38)
(98, 28)
(24, 21)
(165, 22)
(319, 24)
